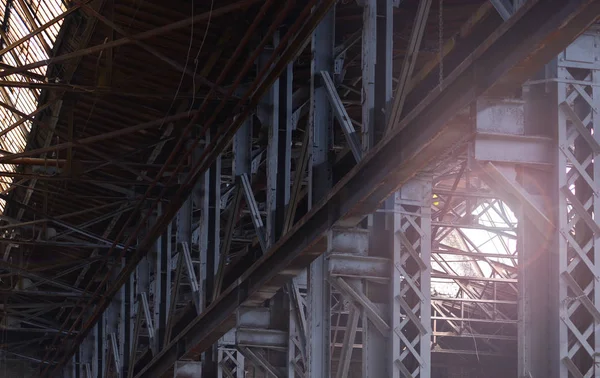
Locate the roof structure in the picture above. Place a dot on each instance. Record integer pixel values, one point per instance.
(24, 41)
(168, 168)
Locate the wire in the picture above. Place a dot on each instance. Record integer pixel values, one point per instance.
(474, 341)
(187, 59)
(212, 3)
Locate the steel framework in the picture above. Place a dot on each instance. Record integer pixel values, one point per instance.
(323, 198)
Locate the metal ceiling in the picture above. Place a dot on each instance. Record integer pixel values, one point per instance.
(138, 101)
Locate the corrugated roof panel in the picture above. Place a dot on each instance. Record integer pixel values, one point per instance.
(22, 22)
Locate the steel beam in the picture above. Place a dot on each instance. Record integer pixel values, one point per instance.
(284, 151)
(320, 123)
(242, 167)
(255, 213)
(573, 288)
(375, 344)
(269, 114)
(411, 287)
(212, 217)
(300, 31)
(231, 363)
(422, 138)
(410, 60)
(504, 7)
(342, 116)
(368, 60)
(217, 12)
(162, 284)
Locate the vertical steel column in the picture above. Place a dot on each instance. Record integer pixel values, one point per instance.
(184, 222)
(384, 66)
(162, 282)
(230, 360)
(537, 248)
(284, 150)
(101, 347)
(184, 240)
(70, 369)
(214, 223)
(242, 149)
(142, 275)
(277, 113)
(213, 220)
(268, 113)
(374, 343)
(297, 326)
(113, 327)
(203, 238)
(127, 322)
(88, 356)
(143, 286)
(578, 99)
(82, 357)
(369, 58)
(95, 353)
(411, 281)
(320, 180)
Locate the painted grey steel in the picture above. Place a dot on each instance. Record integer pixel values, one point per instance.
(578, 190)
(162, 283)
(254, 212)
(410, 59)
(531, 150)
(268, 111)
(191, 273)
(242, 148)
(231, 356)
(375, 344)
(284, 148)
(342, 116)
(504, 7)
(368, 60)
(412, 242)
(212, 216)
(320, 124)
(188, 369)
(320, 145)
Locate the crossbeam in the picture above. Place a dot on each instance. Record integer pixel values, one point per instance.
(538, 31)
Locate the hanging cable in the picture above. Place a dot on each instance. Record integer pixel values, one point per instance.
(212, 3)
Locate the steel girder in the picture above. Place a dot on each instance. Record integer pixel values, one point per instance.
(516, 50)
(298, 35)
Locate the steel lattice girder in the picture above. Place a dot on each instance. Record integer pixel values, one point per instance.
(299, 34)
(516, 50)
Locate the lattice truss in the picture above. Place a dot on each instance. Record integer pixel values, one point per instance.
(298, 326)
(474, 267)
(412, 248)
(261, 358)
(354, 316)
(346, 332)
(28, 32)
(231, 363)
(579, 291)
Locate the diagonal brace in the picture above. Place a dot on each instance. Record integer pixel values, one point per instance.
(371, 310)
(342, 116)
(254, 212)
(504, 8)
